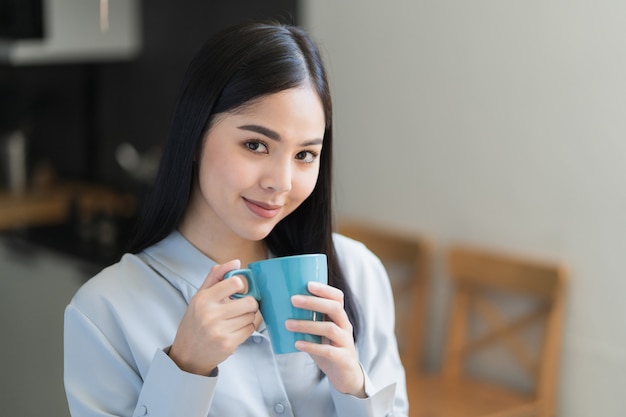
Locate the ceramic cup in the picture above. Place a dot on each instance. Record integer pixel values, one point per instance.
(272, 282)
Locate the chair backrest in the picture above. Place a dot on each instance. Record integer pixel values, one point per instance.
(511, 304)
(407, 259)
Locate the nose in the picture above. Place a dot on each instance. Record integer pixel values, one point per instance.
(277, 175)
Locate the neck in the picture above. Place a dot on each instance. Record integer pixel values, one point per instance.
(213, 238)
(223, 250)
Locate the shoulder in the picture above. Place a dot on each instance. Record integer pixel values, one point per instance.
(125, 285)
(128, 269)
(359, 264)
(353, 253)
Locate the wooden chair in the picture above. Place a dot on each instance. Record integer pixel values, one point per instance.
(407, 259)
(501, 307)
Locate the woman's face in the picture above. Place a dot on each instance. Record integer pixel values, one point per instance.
(257, 165)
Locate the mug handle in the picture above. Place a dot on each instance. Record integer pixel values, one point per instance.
(252, 289)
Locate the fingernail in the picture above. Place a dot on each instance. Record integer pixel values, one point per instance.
(315, 285)
(297, 299)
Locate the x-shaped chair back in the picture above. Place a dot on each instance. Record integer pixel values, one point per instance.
(507, 303)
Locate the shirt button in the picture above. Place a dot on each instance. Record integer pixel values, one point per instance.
(279, 408)
(257, 339)
(142, 411)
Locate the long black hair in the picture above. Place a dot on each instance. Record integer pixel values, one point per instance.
(239, 64)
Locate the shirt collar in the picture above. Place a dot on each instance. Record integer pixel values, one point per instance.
(180, 262)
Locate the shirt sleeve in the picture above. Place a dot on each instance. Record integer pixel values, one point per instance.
(385, 380)
(100, 382)
(377, 403)
(169, 391)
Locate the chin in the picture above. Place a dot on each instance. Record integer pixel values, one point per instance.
(257, 233)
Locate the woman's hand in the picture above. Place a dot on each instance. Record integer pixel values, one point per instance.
(336, 356)
(213, 325)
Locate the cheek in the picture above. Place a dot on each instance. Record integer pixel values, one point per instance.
(221, 169)
(305, 186)
(228, 177)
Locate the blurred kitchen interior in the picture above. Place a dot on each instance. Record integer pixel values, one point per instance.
(80, 128)
(493, 123)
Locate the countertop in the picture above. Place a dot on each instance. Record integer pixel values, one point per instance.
(90, 222)
(56, 203)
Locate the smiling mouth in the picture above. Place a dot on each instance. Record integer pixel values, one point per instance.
(264, 210)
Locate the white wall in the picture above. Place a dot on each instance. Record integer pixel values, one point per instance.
(501, 123)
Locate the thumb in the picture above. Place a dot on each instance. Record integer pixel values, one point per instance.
(216, 274)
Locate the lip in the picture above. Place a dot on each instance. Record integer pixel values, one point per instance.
(261, 209)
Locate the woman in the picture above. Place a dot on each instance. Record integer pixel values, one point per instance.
(245, 175)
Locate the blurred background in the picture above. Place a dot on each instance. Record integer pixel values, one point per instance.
(495, 123)
(82, 115)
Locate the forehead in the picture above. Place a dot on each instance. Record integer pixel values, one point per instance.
(300, 108)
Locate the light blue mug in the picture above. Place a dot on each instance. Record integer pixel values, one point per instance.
(272, 282)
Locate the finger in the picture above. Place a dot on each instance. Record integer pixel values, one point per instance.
(216, 274)
(240, 306)
(325, 291)
(243, 333)
(333, 309)
(315, 349)
(244, 280)
(241, 322)
(223, 290)
(335, 335)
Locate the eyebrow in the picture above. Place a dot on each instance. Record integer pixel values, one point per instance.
(275, 135)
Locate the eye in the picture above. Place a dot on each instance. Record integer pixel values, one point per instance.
(306, 156)
(255, 146)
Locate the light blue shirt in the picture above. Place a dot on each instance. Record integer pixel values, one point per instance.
(121, 322)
